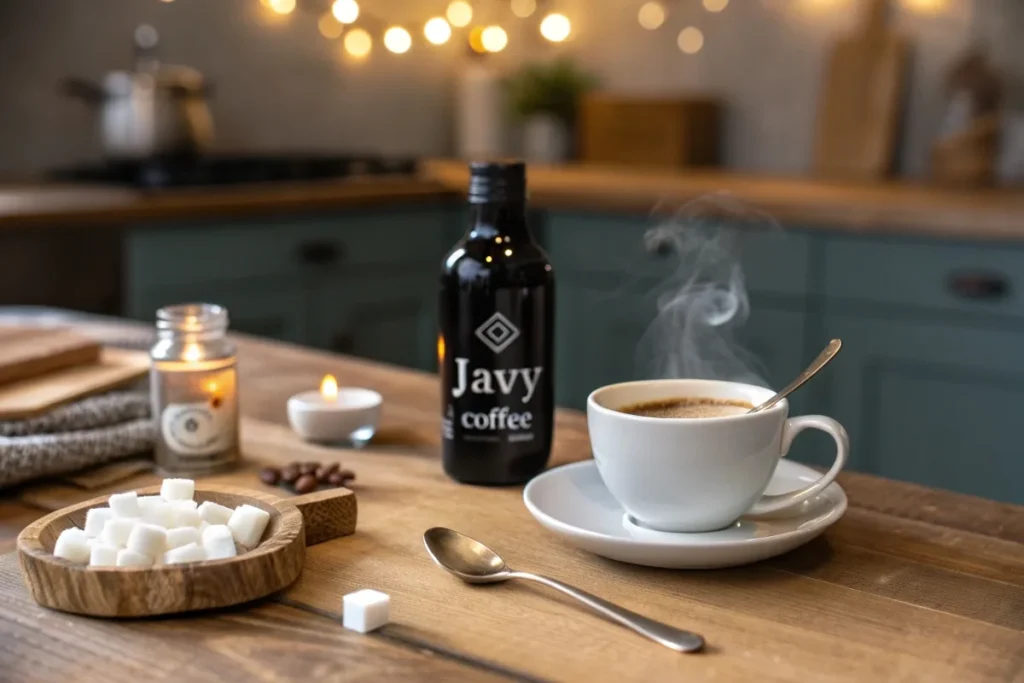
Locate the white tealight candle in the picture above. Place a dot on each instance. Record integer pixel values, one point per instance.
(335, 415)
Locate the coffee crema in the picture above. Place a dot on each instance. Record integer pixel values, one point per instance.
(690, 406)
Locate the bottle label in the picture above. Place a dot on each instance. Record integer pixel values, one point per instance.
(496, 380)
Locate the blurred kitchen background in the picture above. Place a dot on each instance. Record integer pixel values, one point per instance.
(302, 163)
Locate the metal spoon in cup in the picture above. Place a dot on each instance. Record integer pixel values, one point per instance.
(473, 562)
(810, 371)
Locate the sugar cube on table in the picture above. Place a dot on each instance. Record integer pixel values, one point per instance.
(159, 513)
(72, 545)
(147, 539)
(116, 531)
(180, 536)
(102, 555)
(183, 504)
(125, 504)
(95, 519)
(218, 542)
(146, 501)
(177, 489)
(191, 552)
(247, 524)
(365, 610)
(214, 513)
(130, 558)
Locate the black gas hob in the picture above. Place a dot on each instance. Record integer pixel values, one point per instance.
(234, 170)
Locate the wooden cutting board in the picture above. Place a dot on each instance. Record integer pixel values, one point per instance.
(32, 351)
(859, 107)
(36, 395)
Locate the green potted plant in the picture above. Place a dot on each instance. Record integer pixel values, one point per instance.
(544, 99)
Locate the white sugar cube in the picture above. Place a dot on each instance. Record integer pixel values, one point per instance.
(72, 545)
(102, 555)
(203, 526)
(365, 610)
(214, 513)
(125, 504)
(95, 519)
(177, 489)
(130, 558)
(218, 542)
(147, 539)
(159, 513)
(247, 524)
(191, 552)
(146, 501)
(183, 504)
(184, 516)
(116, 531)
(181, 536)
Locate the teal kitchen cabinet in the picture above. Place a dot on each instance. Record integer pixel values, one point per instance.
(389, 318)
(931, 402)
(358, 280)
(273, 308)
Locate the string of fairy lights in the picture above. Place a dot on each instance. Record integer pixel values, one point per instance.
(346, 19)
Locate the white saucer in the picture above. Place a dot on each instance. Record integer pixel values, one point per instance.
(573, 502)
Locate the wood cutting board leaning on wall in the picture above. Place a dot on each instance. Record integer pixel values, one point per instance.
(861, 98)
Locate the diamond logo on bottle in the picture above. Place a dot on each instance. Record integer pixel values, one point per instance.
(497, 333)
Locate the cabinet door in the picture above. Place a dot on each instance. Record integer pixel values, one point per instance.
(932, 403)
(273, 308)
(392, 320)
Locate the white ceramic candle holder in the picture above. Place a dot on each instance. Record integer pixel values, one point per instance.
(335, 415)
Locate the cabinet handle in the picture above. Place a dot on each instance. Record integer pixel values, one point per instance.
(320, 253)
(343, 342)
(983, 286)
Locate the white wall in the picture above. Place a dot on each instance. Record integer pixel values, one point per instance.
(281, 86)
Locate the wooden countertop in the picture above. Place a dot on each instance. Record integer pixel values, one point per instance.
(912, 584)
(894, 208)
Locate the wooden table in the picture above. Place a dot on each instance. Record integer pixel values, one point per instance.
(913, 584)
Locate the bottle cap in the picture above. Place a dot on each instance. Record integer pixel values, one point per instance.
(497, 181)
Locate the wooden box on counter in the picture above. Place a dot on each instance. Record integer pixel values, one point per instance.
(649, 132)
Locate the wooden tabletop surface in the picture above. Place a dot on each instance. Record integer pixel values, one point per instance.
(913, 584)
(891, 207)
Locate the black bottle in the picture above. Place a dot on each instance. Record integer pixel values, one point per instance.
(497, 338)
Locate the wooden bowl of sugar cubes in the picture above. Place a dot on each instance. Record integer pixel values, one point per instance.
(174, 548)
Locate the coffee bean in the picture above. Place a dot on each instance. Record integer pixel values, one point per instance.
(335, 479)
(308, 468)
(347, 475)
(270, 476)
(305, 484)
(325, 471)
(289, 474)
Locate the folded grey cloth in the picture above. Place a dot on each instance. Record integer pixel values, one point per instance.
(90, 432)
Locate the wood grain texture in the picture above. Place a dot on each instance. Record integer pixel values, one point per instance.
(913, 584)
(861, 94)
(264, 643)
(327, 514)
(36, 395)
(165, 589)
(29, 352)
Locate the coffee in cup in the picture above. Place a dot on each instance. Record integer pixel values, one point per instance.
(688, 407)
(674, 473)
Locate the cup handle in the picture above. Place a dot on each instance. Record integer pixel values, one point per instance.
(793, 427)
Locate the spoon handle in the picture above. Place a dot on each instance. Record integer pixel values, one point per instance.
(669, 636)
(810, 371)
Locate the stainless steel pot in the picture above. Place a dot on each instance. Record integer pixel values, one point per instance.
(154, 110)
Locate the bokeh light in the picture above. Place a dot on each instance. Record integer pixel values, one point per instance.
(460, 13)
(691, 40)
(556, 27)
(397, 40)
(358, 43)
(523, 8)
(345, 11)
(437, 31)
(330, 27)
(494, 39)
(651, 15)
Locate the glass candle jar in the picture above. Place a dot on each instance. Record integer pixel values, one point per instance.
(193, 380)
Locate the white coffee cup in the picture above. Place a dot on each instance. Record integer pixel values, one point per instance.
(698, 474)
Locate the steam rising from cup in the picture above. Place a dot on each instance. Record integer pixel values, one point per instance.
(704, 304)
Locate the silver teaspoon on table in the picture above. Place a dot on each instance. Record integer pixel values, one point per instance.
(473, 562)
(810, 371)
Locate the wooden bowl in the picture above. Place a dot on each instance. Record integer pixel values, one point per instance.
(167, 589)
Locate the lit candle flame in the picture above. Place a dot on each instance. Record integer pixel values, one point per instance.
(329, 388)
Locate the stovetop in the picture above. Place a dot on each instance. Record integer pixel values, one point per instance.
(234, 170)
